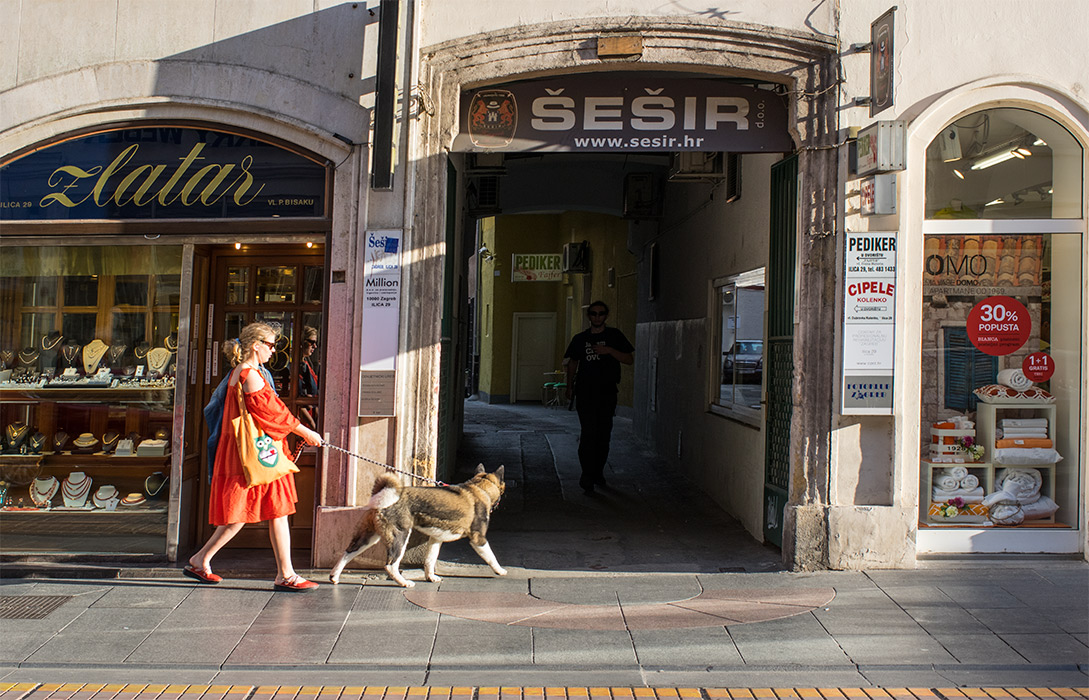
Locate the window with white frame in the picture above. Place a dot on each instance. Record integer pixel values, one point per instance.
(739, 351)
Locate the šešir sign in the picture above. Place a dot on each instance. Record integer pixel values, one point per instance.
(161, 172)
(623, 112)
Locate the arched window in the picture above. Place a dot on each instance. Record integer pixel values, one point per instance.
(1002, 331)
(1003, 163)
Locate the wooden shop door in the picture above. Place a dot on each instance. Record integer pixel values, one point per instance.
(283, 286)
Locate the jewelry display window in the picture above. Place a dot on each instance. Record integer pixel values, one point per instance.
(87, 374)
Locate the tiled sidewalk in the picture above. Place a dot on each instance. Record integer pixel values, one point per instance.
(117, 691)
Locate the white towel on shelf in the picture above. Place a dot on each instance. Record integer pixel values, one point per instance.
(1024, 432)
(969, 482)
(1024, 423)
(1014, 379)
(967, 495)
(946, 482)
(957, 473)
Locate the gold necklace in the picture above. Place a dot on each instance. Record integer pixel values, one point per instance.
(141, 350)
(46, 345)
(92, 355)
(157, 359)
(69, 352)
(28, 356)
(171, 342)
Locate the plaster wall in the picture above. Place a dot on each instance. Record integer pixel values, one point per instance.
(446, 20)
(701, 238)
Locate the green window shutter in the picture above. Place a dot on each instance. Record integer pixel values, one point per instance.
(965, 369)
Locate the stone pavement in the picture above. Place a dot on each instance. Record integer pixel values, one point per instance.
(645, 585)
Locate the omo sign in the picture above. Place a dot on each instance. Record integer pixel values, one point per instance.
(623, 112)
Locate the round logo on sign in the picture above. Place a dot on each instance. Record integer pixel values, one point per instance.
(1038, 367)
(999, 325)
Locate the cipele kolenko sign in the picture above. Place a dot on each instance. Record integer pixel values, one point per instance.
(623, 112)
(161, 172)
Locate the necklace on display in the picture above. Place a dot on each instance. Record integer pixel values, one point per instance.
(116, 353)
(43, 490)
(157, 360)
(50, 344)
(105, 497)
(75, 489)
(92, 355)
(171, 342)
(141, 350)
(28, 356)
(69, 352)
(16, 433)
(7, 357)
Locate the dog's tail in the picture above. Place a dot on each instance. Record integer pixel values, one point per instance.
(387, 490)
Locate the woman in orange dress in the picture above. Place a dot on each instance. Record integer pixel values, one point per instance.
(232, 502)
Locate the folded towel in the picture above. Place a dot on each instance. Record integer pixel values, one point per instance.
(1024, 442)
(947, 482)
(1025, 455)
(969, 482)
(1014, 379)
(1024, 422)
(957, 473)
(1023, 432)
(967, 495)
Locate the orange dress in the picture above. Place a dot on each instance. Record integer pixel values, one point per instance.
(231, 501)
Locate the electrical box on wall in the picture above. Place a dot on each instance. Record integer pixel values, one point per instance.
(880, 148)
(879, 194)
(576, 257)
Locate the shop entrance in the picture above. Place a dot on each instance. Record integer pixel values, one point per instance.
(281, 285)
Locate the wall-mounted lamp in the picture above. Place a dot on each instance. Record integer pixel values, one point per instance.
(485, 254)
(237, 246)
(310, 244)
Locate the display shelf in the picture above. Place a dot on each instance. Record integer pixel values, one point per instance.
(981, 470)
(88, 394)
(988, 416)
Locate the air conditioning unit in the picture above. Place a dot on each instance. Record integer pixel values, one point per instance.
(576, 257)
(485, 164)
(697, 165)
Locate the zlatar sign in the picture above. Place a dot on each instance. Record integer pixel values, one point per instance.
(161, 172)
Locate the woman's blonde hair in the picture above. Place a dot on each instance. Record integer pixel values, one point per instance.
(238, 348)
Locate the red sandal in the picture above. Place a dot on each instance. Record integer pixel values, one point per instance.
(201, 575)
(295, 583)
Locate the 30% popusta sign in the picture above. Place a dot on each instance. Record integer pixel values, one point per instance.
(999, 325)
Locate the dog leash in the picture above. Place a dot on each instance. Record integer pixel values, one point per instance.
(386, 466)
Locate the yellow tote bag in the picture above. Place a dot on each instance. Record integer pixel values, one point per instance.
(264, 460)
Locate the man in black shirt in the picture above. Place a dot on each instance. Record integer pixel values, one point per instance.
(596, 354)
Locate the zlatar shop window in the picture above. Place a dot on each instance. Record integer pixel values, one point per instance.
(88, 352)
(1002, 324)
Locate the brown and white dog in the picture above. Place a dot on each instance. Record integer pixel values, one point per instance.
(443, 513)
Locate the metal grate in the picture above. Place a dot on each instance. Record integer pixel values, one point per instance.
(29, 607)
(780, 411)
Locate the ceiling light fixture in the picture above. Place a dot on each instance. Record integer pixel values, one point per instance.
(989, 161)
(995, 201)
(958, 173)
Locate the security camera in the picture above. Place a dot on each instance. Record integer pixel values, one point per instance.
(950, 144)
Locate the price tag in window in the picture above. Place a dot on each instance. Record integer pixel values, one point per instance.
(1038, 367)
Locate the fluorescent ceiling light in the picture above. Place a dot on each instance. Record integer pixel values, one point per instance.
(995, 201)
(1024, 151)
(1039, 142)
(993, 160)
(958, 173)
